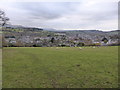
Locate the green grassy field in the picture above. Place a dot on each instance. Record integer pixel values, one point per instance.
(46, 67)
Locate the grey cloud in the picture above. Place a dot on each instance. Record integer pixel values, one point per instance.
(64, 14)
(49, 10)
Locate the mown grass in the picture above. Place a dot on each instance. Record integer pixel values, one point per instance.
(50, 67)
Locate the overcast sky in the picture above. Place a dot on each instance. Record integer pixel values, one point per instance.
(85, 14)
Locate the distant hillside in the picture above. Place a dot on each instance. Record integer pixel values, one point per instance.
(22, 27)
(69, 32)
(16, 35)
(114, 32)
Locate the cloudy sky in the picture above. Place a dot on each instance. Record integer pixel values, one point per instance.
(63, 15)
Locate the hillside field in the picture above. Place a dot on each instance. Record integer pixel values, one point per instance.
(60, 67)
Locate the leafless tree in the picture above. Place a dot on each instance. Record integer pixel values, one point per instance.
(3, 19)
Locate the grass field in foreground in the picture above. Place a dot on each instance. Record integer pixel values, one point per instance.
(50, 67)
